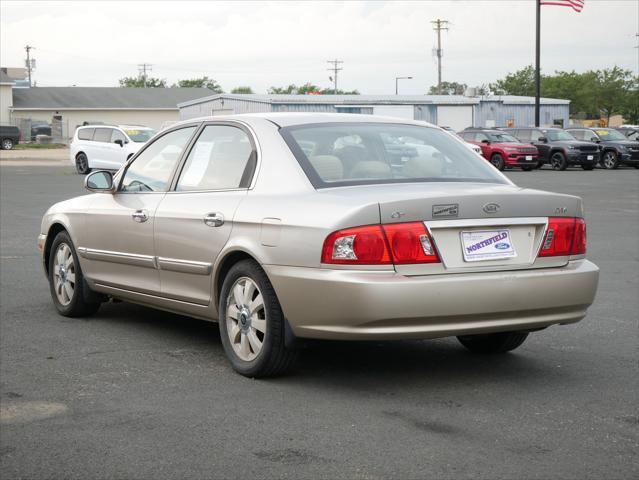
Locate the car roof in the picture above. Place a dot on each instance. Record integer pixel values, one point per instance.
(289, 119)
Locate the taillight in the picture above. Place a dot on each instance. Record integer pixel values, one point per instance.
(398, 243)
(565, 236)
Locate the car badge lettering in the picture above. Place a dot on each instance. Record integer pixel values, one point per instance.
(491, 207)
(449, 210)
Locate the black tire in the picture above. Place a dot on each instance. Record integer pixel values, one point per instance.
(610, 160)
(588, 166)
(527, 169)
(636, 166)
(7, 144)
(493, 342)
(82, 164)
(498, 161)
(558, 161)
(83, 301)
(273, 358)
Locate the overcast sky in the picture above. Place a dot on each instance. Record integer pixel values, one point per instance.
(277, 43)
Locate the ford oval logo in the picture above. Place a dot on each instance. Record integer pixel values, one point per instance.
(491, 208)
(502, 246)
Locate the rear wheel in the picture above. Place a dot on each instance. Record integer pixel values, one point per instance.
(252, 323)
(493, 342)
(610, 160)
(82, 164)
(558, 161)
(70, 293)
(498, 161)
(7, 144)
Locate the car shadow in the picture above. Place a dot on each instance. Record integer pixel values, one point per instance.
(353, 364)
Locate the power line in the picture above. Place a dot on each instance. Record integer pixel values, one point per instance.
(335, 68)
(142, 69)
(438, 26)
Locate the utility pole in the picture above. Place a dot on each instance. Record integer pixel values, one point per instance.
(537, 61)
(29, 64)
(439, 25)
(335, 68)
(142, 69)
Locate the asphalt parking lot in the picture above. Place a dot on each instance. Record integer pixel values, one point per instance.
(136, 393)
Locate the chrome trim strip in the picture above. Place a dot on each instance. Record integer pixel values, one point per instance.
(105, 287)
(184, 266)
(117, 257)
(486, 222)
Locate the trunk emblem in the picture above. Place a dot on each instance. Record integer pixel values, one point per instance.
(449, 210)
(491, 207)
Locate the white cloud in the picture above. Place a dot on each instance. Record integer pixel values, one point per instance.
(263, 44)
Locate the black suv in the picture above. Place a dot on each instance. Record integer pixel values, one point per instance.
(616, 149)
(558, 148)
(9, 136)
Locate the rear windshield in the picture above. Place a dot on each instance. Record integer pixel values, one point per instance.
(342, 154)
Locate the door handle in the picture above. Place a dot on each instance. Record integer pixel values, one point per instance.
(215, 219)
(140, 216)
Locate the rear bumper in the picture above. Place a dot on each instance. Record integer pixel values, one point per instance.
(352, 305)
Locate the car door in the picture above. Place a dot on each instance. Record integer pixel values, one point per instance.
(99, 151)
(195, 219)
(119, 249)
(118, 151)
(542, 147)
(486, 149)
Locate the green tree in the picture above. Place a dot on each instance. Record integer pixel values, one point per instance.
(579, 88)
(244, 90)
(522, 82)
(202, 82)
(309, 88)
(449, 88)
(613, 89)
(140, 82)
(630, 109)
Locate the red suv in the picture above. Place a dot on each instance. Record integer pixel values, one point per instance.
(502, 149)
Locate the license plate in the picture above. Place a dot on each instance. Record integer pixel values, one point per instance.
(590, 157)
(528, 157)
(487, 245)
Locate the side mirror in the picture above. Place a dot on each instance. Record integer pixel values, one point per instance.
(542, 139)
(100, 181)
(487, 142)
(120, 142)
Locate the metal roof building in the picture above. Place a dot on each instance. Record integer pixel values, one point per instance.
(455, 111)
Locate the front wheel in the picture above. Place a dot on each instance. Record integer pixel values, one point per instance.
(252, 323)
(610, 160)
(70, 292)
(558, 161)
(7, 144)
(498, 161)
(493, 342)
(82, 164)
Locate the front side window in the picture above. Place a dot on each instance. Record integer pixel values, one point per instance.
(102, 135)
(558, 135)
(368, 153)
(222, 158)
(118, 135)
(139, 135)
(151, 170)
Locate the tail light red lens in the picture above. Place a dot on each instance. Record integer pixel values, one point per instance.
(400, 243)
(565, 236)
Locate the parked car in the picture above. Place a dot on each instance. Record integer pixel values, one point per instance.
(472, 146)
(106, 146)
(558, 148)
(631, 133)
(502, 149)
(291, 226)
(39, 127)
(9, 136)
(616, 149)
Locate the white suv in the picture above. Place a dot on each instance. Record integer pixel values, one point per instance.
(106, 146)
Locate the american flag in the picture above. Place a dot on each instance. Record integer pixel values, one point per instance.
(576, 5)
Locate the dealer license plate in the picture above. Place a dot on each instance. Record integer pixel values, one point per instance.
(590, 157)
(487, 245)
(528, 157)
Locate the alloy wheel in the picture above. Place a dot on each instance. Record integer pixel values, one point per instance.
(64, 274)
(82, 164)
(7, 144)
(610, 160)
(246, 318)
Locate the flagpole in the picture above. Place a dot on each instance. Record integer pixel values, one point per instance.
(537, 75)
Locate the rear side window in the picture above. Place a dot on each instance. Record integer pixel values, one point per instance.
(222, 158)
(523, 135)
(85, 133)
(102, 135)
(357, 153)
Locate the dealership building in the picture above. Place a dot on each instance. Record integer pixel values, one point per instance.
(455, 111)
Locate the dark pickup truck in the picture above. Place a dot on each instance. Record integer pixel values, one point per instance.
(558, 148)
(9, 136)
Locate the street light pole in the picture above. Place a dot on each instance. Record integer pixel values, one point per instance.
(397, 79)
